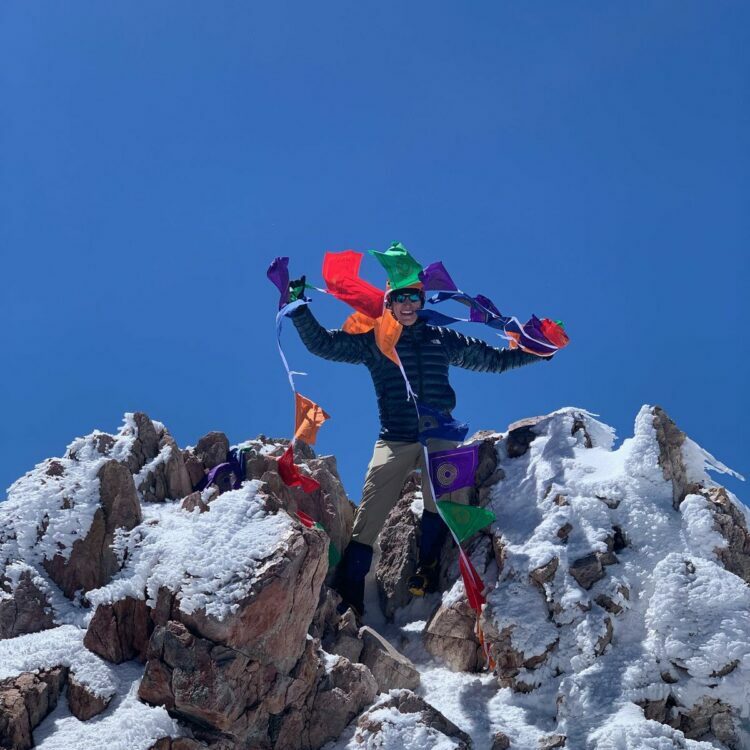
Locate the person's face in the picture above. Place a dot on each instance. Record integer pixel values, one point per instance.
(405, 305)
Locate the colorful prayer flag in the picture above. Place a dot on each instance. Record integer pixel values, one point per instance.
(435, 277)
(278, 273)
(434, 424)
(403, 271)
(454, 468)
(358, 322)
(554, 332)
(464, 520)
(308, 419)
(291, 475)
(472, 582)
(341, 274)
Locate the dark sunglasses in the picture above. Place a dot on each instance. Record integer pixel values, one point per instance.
(402, 297)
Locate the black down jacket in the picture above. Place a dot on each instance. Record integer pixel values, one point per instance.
(425, 352)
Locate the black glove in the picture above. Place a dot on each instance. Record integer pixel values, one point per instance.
(297, 289)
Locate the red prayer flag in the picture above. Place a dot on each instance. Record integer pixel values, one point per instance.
(472, 582)
(306, 520)
(341, 274)
(290, 474)
(554, 333)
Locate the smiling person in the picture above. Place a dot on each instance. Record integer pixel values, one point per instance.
(426, 353)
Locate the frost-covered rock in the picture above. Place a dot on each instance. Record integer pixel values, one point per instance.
(24, 604)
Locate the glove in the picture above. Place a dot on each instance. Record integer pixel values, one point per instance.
(297, 289)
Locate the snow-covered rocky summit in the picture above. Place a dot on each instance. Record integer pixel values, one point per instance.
(617, 615)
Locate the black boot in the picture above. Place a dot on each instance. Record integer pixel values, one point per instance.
(432, 536)
(350, 577)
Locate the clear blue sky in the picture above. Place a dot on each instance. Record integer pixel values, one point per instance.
(584, 160)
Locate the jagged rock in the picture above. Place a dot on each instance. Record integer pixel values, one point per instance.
(670, 439)
(500, 741)
(271, 623)
(487, 473)
(520, 436)
(398, 542)
(587, 570)
(24, 701)
(545, 573)
(119, 632)
(389, 668)
(450, 636)
(708, 715)
(83, 703)
(347, 689)
(330, 505)
(346, 641)
(27, 609)
(730, 523)
(553, 741)
(168, 478)
(193, 501)
(564, 531)
(579, 425)
(212, 449)
(92, 561)
(406, 702)
(606, 637)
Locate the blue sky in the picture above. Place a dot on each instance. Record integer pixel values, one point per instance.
(583, 160)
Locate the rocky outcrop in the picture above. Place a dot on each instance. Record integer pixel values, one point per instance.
(730, 523)
(26, 608)
(83, 703)
(389, 668)
(93, 561)
(120, 631)
(24, 701)
(398, 715)
(450, 636)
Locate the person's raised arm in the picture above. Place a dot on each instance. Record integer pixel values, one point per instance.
(336, 345)
(474, 354)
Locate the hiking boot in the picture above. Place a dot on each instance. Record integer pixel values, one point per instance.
(425, 580)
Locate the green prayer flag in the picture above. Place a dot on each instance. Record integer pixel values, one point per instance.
(334, 556)
(465, 520)
(402, 269)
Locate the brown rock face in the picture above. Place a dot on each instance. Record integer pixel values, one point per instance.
(24, 701)
(730, 523)
(450, 636)
(670, 439)
(27, 611)
(389, 668)
(168, 479)
(398, 551)
(119, 632)
(212, 449)
(92, 562)
(252, 677)
(83, 704)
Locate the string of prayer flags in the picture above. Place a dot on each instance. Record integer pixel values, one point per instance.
(402, 270)
(308, 418)
(465, 520)
(435, 425)
(454, 468)
(291, 475)
(341, 274)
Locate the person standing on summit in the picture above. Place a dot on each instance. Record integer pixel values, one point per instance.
(426, 353)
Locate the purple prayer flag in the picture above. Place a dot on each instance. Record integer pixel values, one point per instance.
(436, 277)
(488, 304)
(278, 274)
(452, 469)
(434, 424)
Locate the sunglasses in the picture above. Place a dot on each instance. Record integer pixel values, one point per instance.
(402, 297)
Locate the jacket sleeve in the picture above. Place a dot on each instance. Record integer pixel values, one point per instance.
(335, 345)
(474, 354)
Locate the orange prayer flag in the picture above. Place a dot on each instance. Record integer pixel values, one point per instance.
(358, 323)
(308, 418)
(387, 333)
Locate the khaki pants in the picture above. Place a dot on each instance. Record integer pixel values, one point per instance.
(391, 464)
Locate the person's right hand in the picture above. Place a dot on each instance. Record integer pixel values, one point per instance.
(297, 289)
